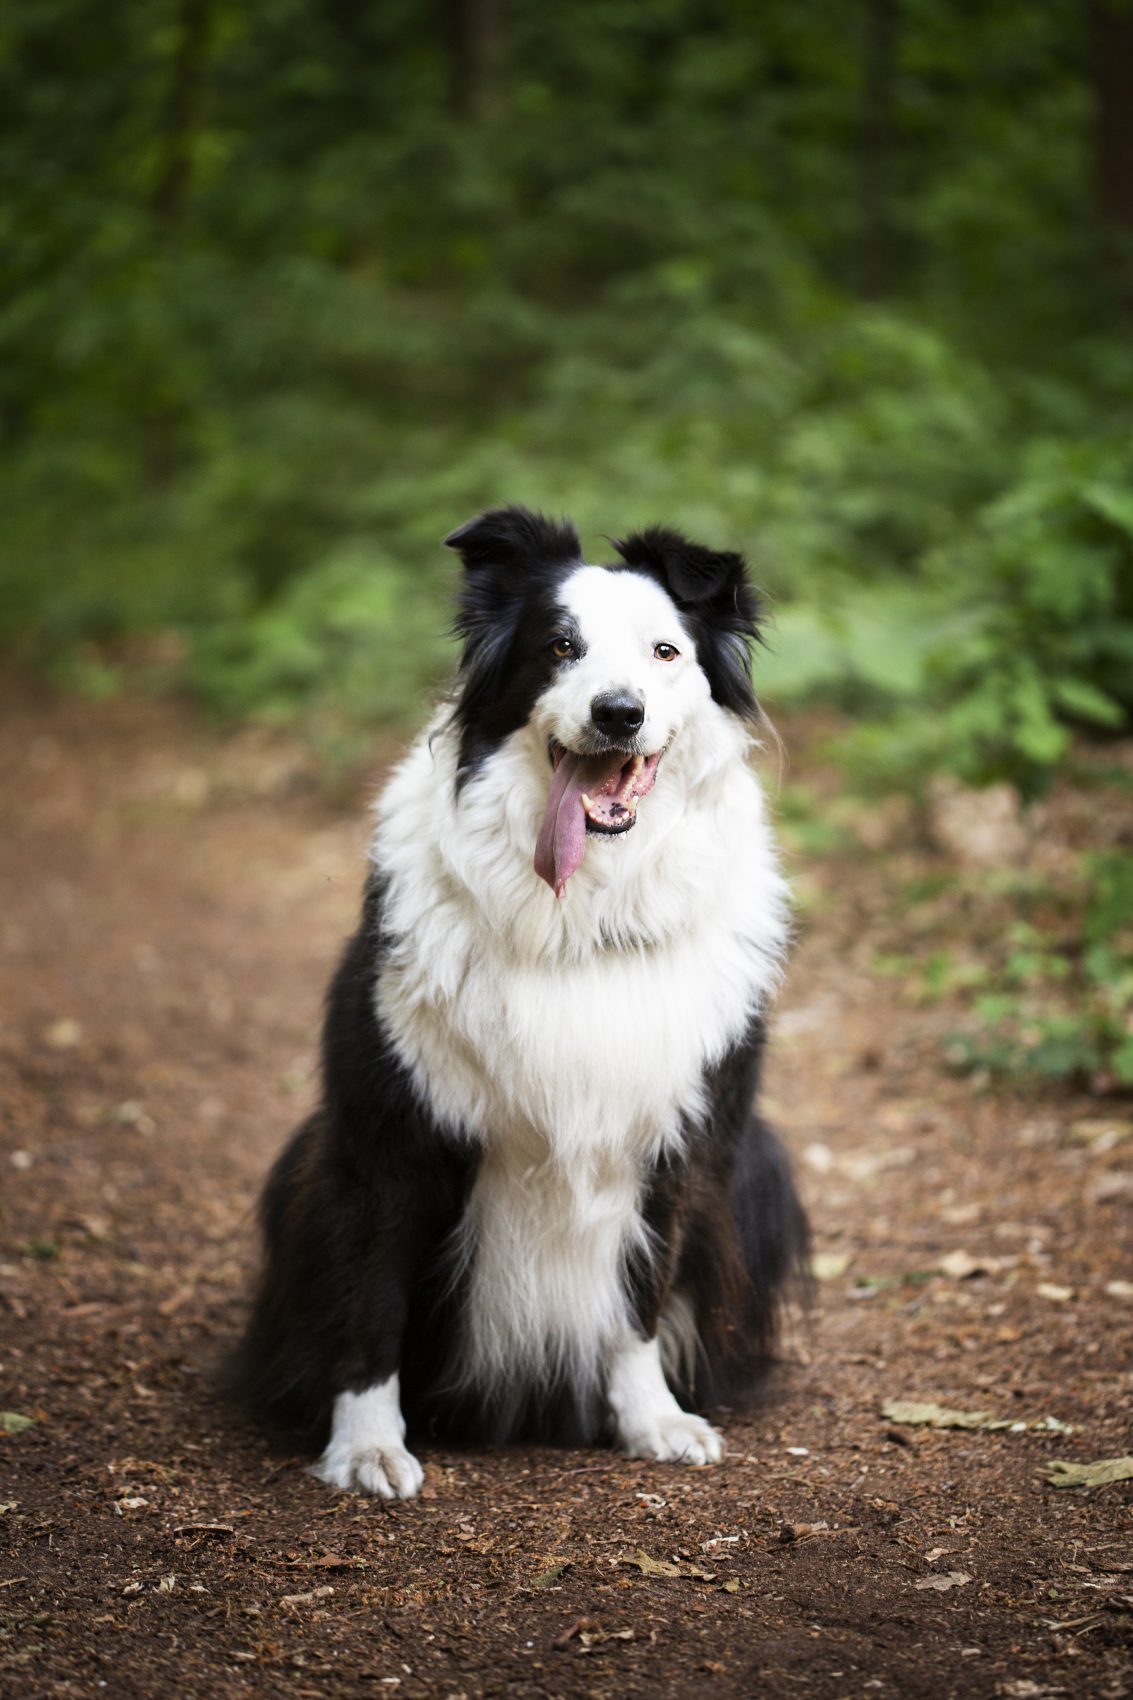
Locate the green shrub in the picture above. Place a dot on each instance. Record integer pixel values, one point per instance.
(287, 302)
(1060, 1012)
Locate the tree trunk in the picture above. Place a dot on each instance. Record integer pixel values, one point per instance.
(475, 34)
(1112, 52)
(176, 130)
(879, 65)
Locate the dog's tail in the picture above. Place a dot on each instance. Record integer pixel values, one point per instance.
(772, 1229)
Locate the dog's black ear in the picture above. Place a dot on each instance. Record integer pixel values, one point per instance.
(712, 589)
(509, 555)
(692, 574)
(514, 539)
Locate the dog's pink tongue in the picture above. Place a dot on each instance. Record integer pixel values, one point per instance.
(562, 837)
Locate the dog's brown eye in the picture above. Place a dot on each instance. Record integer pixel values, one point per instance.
(665, 651)
(563, 649)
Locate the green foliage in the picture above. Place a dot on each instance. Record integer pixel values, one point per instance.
(293, 291)
(1059, 1004)
(1045, 576)
(334, 624)
(290, 291)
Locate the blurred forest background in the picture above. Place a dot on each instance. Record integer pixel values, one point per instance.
(293, 289)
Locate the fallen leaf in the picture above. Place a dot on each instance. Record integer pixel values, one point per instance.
(865, 1165)
(1023, 1688)
(330, 1561)
(547, 1578)
(8, 1505)
(96, 1228)
(915, 1415)
(1119, 1289)
(171, 1305)
(310, 1599)
(828, 1265)
(11, 1422)
(938, 1416)
(1056, 1295)
(1063, 1474)
(1106, 1188)
(946, 1580)
(650, 1566)
(1101, 1132)
(961, 1265)
(961, 1215)
(63, 1035)
(731, 1586)
(591, 1638)
(653, 1566)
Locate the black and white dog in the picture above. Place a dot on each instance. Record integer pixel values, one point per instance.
(536, 1200)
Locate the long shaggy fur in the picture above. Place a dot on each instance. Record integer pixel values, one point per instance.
(536, 1198)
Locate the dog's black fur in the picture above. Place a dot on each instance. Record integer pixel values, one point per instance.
(360, 1209)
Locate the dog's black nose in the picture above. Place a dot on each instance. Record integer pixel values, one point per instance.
(617, 714)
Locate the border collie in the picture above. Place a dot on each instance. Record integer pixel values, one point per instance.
(536, 1200)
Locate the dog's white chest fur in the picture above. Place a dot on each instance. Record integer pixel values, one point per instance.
(568, 1040)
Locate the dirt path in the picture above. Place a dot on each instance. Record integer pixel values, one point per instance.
(169, 907)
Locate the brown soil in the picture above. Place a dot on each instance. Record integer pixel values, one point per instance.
(170, 905)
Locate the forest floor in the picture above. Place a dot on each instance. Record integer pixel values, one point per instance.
(171, 902)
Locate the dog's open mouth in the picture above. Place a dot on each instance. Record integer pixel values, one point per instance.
(589, 793)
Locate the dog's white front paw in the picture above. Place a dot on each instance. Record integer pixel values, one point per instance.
(388, 1470)
(367, 1448)
(672, 1437)
(648, 1421)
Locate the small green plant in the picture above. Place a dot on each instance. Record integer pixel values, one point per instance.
(1062, 1008)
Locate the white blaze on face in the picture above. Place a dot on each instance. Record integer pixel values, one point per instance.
(621, 618)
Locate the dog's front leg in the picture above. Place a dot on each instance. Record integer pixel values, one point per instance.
(387, 1228)
(367, 1447)
(648, 1421)
(394, 1228)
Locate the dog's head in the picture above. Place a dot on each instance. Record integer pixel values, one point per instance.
(607, 663)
